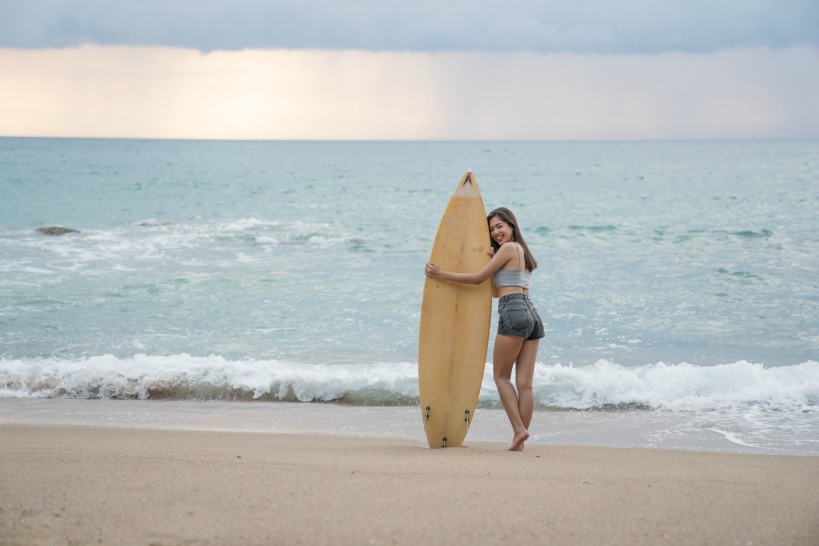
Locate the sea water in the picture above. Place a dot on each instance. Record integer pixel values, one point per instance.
(677, 280)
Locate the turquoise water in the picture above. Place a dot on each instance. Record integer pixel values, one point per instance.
(698, 252)
(674, 276)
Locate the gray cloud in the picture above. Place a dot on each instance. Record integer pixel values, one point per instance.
(581, 26)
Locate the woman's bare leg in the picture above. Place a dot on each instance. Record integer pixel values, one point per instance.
(506, 353)
(524, 373)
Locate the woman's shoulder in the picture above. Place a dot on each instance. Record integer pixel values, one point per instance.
(507, 247)
(507, 251)
(510, 246)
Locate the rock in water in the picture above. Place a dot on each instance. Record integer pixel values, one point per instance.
(55, 230)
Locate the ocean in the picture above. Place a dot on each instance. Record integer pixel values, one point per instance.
(679, 283)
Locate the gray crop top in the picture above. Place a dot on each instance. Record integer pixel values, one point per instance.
(504, 278)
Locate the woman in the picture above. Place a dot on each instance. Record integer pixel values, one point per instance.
(519, 325)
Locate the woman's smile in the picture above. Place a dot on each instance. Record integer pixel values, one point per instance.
(499, 230)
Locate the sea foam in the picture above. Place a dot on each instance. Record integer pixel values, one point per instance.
(603, 385)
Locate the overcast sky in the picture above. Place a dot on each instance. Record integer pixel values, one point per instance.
(580, 26)
(579, 69)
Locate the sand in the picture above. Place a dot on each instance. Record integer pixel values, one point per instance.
(97, 485)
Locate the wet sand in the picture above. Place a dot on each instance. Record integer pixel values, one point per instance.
(91, 484)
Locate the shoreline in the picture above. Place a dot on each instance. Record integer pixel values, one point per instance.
(708, 431)
(83, 483)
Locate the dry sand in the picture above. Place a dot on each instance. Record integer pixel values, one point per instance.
(95, 485)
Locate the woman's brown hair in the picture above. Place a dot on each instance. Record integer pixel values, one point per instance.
(506, 215)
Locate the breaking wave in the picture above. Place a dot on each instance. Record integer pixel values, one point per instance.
(603, 385)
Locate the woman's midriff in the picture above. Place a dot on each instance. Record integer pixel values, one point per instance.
(505, 291)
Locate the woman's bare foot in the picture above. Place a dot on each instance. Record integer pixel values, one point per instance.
(517, 441)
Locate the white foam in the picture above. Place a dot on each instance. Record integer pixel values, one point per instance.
(20, 268)
(122, 248)
(246, 224)
(139, 376)
(731, 437)
(677, 387)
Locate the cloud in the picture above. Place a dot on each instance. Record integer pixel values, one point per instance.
(580, 26)
(160, 92)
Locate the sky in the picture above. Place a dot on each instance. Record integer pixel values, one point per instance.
(371, 70)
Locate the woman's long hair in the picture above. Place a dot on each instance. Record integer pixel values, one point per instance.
(506, 215)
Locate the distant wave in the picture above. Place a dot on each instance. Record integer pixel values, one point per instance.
(174, 235)
(747, 234)
(674, 387)
(252, 230)
(581, 230)
(152, 240)
(593, 229)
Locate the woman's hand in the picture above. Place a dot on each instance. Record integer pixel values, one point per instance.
(433, 270)
(491, 251)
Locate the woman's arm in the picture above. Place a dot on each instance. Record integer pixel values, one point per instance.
(503, 255)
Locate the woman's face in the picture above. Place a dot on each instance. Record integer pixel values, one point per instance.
(500, 231)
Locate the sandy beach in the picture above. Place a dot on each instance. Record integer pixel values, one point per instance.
(91, 484)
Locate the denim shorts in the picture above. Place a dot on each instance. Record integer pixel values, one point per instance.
(518, 317)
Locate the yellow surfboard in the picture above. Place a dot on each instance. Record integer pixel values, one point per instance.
(454, 332)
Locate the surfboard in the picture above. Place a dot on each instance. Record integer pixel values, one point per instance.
(454, 331)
